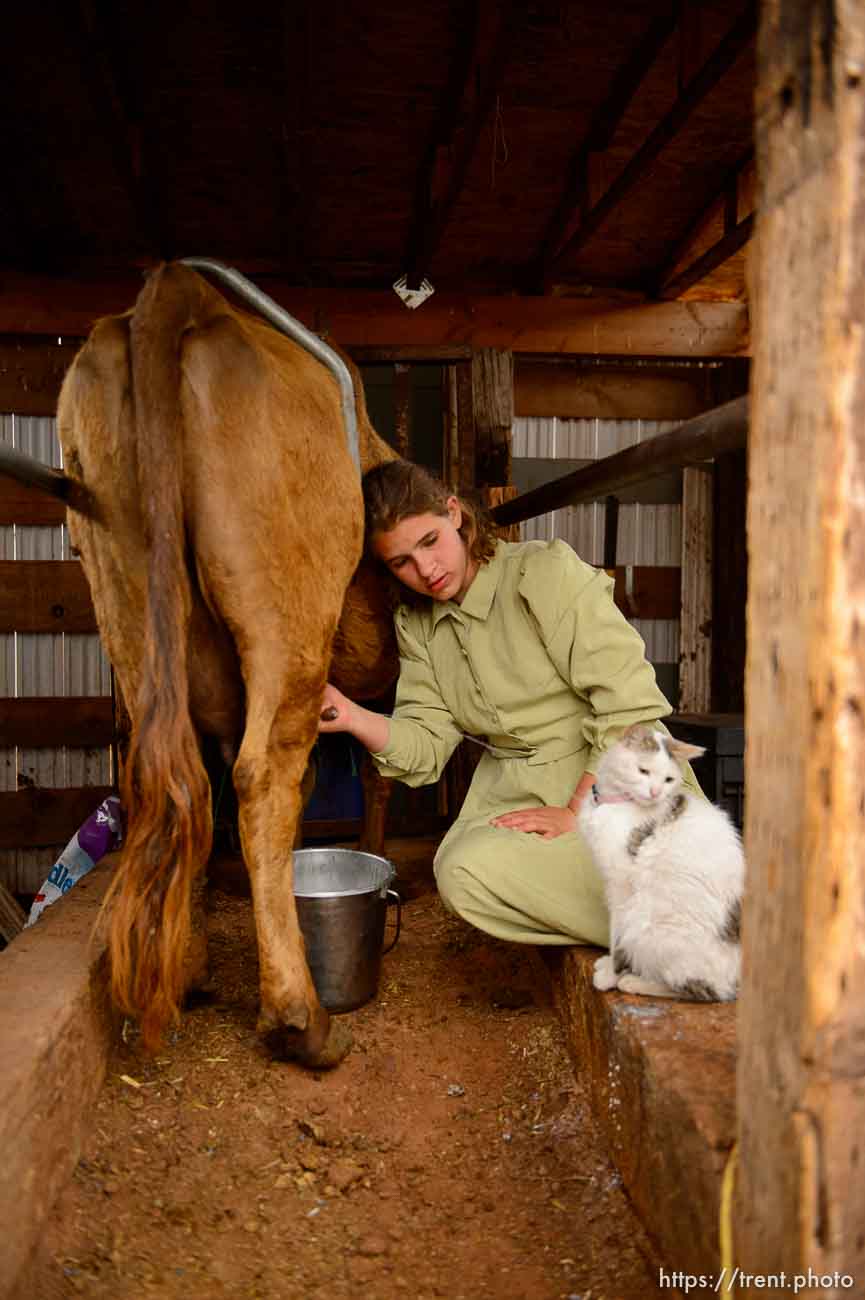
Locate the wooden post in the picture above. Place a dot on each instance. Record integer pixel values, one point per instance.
(402, 408)
(493, 406)
(801, 1074)
(729, 581)
(695, 621)
(466, 474)
(495, 496)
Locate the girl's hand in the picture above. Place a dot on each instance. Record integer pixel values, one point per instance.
(546, 822)
(336, 710)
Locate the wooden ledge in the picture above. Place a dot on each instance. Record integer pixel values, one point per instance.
(55, 1034)
(661, 1077)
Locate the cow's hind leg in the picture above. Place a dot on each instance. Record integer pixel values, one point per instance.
(280, 729)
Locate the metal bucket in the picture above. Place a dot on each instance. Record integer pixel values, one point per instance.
(342, 897)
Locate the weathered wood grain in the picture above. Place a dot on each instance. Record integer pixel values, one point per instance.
(368, 318)
(695, 628)
(45, 596)
(801, 1074)
(40, 721)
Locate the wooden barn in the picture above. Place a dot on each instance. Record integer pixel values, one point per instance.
(602, 267)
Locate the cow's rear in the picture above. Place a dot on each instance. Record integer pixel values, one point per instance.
(231, 523)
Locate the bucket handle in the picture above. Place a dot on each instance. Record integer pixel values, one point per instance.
(393, 897)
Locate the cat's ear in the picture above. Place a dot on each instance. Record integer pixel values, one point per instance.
(636, 735)
(683, 752)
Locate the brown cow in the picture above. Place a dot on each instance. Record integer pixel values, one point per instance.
(225, 528)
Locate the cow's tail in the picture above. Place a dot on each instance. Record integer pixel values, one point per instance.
(36, 474)
(165, 788)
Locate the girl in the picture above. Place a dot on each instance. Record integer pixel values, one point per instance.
(519, 646)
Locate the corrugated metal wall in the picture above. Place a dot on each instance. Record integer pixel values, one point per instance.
(45, 663)
(646, 534)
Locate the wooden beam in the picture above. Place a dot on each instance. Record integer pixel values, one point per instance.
(468, 98)
(572, 205)
(36, 816)
(721, 429)
(710, 260)
(739, 36)
(544, 388)
(648, 591)
(800, 1189)
(36, 722)
(45, 596)
(27, 505)
(409, 353)
(31, 372)
(695, 627)
(493, 410)
(39, 304)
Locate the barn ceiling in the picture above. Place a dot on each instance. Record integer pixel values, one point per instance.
(539, 147)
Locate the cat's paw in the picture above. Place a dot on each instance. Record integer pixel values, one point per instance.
(605, 976)
(631, 983)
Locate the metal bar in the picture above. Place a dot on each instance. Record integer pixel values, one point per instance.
(278, 316)
(725, 428)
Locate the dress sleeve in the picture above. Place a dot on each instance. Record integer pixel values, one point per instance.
(423, 734)
(592, 645)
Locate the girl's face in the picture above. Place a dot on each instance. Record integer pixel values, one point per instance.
(427, 553)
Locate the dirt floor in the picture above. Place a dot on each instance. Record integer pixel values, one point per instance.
(452, 1154)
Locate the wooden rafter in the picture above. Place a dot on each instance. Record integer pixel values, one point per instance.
(627, 81)
(709, 261)
(294, 143)
(469, 96)
(123, 131)
(719, 62)
(673, 278)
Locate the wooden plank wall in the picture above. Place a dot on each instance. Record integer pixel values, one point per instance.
(39, 599)
(48, 596)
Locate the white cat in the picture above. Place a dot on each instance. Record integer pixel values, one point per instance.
(673, 873)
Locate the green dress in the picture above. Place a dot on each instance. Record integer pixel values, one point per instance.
(539, 664)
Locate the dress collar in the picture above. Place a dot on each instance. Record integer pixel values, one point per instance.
(478, 600)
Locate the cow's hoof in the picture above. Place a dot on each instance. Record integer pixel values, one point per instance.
(337, 1046)
(309, 1049)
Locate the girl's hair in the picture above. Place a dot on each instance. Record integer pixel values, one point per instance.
(398, 489)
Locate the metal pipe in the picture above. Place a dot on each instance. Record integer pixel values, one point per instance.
(725, 428)
(278, 316)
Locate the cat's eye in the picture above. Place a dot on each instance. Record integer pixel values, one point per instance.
(644, 771)
(668, 779)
